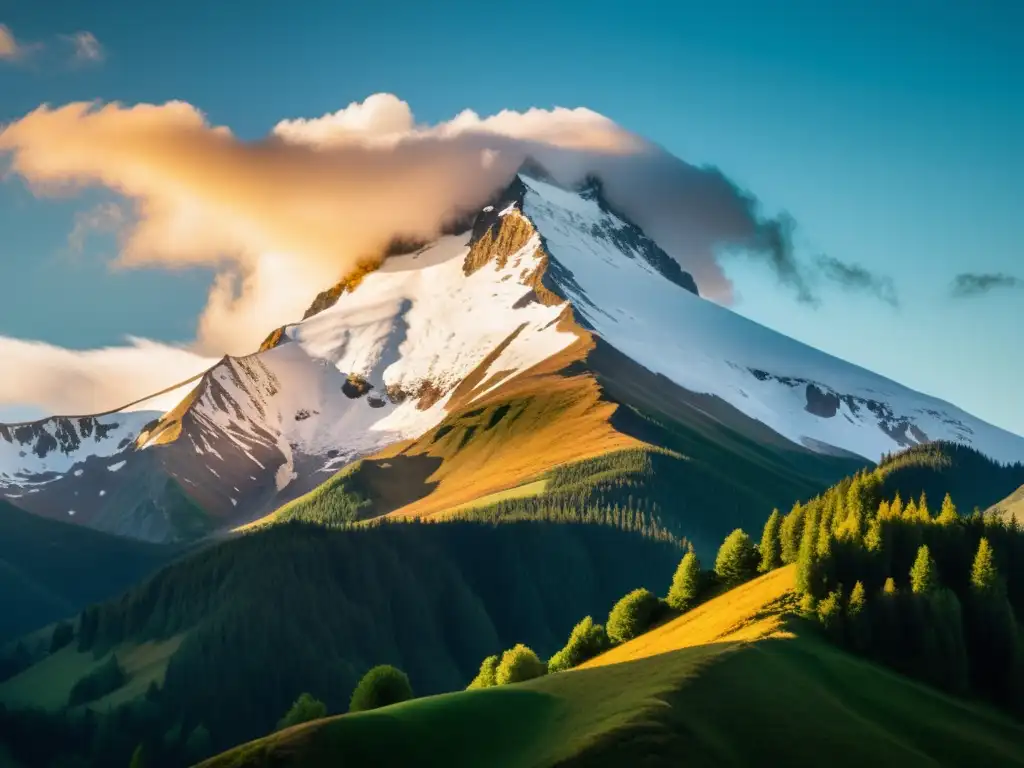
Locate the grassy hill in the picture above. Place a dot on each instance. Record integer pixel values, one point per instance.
(1012, 506)
(50, 570)
(730, 683)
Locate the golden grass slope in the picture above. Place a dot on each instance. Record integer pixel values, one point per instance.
(752, 611)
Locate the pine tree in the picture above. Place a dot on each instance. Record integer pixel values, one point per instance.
(830, 614)
(686, 582)
(948, 514)
(808, 566)
(771, 546)
(923, 514)
(992, 630)
(873, 541)
(984, 576)
(924, 576)
(889, 588)
(896, 508)
(857, 620)
(790, 533)
(737, 559)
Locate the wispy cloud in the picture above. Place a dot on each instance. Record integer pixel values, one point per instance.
(855, 277)
(51, 379)
(968, 284)
(86, 48)
(14, 50)
(105, 218)
(78, 48)
(8, 45)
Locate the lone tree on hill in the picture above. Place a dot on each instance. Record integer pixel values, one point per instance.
(737, 559)
(381, 686)
(304, 709)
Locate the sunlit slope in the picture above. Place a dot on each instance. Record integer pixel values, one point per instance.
(1012, 506)
(725, 685)
(750, 612)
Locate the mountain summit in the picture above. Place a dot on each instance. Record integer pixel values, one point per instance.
(551, 296)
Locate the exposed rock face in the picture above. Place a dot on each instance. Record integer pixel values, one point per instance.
(824, 404)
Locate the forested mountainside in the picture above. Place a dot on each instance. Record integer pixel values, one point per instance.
(313, 608)
(50, 570)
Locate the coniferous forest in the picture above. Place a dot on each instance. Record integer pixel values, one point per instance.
(301, 608)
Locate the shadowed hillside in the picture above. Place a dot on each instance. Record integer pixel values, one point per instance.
(50, 570)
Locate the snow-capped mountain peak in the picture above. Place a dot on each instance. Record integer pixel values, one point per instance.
(384, 358)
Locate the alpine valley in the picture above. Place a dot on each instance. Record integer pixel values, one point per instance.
(471, 445)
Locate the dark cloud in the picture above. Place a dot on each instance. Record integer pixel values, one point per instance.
(854, 277)
(969, 284)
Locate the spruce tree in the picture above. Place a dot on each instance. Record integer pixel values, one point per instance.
(737, 559)
(771, 546)
(857, 621)
(808, 565)
(948, 514)
(924, 576)
(992, 631)
(686, 582)
(790, 533)
(984, 576)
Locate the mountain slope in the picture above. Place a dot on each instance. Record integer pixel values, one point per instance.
(727, 684)
(50, 570)
(1012, 506)
(551, 301)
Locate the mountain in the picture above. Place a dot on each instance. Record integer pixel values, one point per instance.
(552, 304)
(50, 570)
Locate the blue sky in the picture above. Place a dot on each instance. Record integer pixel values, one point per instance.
(892, 132)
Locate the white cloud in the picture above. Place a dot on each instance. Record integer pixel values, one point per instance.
(282, 218)
(41, 378)
(105, 218)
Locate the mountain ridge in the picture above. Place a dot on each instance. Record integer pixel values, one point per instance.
(543, 278)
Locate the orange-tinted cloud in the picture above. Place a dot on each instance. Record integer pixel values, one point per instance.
(281, 218)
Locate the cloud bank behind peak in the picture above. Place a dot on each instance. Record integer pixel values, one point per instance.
(282, 217)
